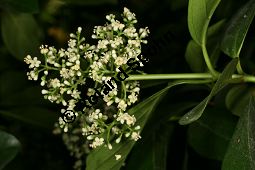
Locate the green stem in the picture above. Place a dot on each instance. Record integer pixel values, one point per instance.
(249, 78)
(242, 78)
(239, 68)
(207, 60)
(170, 76)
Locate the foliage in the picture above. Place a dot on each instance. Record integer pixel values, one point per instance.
(196, 106)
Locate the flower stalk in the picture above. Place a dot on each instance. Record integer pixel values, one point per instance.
(178, 76)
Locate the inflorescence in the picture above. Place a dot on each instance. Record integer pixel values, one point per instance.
(79, 78)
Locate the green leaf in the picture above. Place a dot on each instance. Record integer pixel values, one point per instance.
(194, 54)
(199, 15)
(29, 6)
(213, 42)
(237, 98)
(241, 153)
(194, 57)
(23, 98)
(151, 151)
(91, 2)
(238, 27)
(37, 116)
(210, 135)
(9, 81)
(21, 34)
(216, 28)
(102, 158)
(222, 81)
(9, 147)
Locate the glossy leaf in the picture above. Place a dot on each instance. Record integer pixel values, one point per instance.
(199, 15)
(194, 54)
(197, 112)
(194, 57)
(151, 151)
(238, 27)
(9, 147)
(28, 6)
(21, 34)
(237, 98)
(210, 135)
(241, 151)
(103, 158)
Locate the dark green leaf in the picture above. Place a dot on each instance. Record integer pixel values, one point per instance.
(222, 81)
(210, 135)
(9, 147)
(241, 152)
(41, 117)
(23, 98)
(237, 98)
(194, 57)
(238, 27)
(30, 6)
(199, 15)
(103, 158)
(215, 28)
(151, 151)
(194, 54)
(21, 34)
(9, 81)
(213, 41)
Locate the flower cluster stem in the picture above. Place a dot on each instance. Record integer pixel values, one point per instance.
(178, 76)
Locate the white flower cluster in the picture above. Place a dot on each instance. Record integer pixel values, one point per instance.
(88, 80)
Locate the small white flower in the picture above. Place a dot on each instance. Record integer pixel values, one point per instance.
(118, 140)
(137, 127)
(79, 29)
(132, 97)
(122, 105)
(33, 63)
(55, 83)
(32, 75)
(75, 94)
(44, 51)
(110, 17)
(97, 142)
(102, 44)
(110, 146)
(119, 61)
(45, 72)
(117, 157)
(44, 91)
(135, 136)
(125, 117)
(144, 32)
(116, 25)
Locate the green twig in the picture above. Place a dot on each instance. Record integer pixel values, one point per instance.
(208, 62)
(239, 68)
(241, 78)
